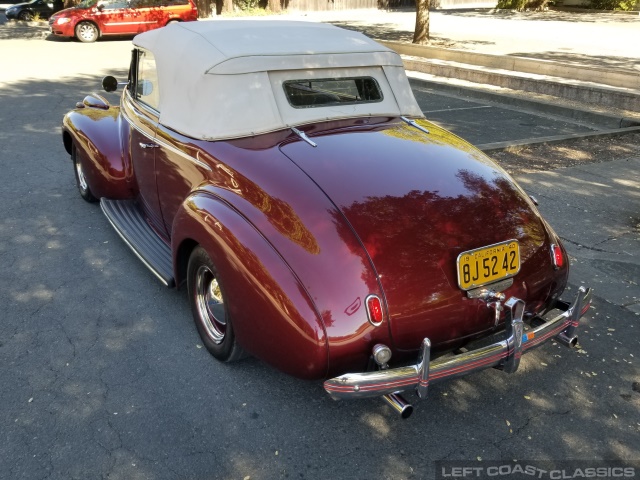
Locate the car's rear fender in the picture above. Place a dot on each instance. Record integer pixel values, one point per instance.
(273, 314)
(97, 131)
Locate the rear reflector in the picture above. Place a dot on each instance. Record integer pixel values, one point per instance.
(556, 254)
(374, 310)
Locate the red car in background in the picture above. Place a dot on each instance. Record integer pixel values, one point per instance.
(91, 19)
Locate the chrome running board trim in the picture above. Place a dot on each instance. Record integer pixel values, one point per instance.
(128, 222)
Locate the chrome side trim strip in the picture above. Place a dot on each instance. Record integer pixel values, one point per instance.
(134, 126)
(173, 149)
(128, 23)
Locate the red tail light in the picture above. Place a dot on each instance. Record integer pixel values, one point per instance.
(374, 310)
(556, 254)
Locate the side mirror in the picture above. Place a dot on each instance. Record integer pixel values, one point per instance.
(109, 83)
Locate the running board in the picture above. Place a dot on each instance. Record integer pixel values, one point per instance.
(128, 221)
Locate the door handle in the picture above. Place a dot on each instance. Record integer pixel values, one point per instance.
(149, 145)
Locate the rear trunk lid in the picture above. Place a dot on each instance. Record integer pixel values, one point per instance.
(415, 202)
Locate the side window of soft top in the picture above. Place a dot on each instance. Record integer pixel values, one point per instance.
(143, 79)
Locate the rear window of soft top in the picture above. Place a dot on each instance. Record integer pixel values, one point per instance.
(325, 92)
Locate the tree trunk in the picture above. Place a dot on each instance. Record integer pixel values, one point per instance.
(275, 6)
(204, 8)
(224, 6)
(220, 4)
(421, 33)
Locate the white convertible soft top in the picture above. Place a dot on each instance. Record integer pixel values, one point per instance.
(224, 79)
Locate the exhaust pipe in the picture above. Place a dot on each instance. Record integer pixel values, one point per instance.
(568, 337)
(399, 404)
(567, 340)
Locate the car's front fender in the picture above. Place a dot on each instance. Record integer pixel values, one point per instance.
(97, 131)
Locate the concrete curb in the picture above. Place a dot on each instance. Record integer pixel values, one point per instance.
(499, 146)
(614, 78)
(537, 105)
(614, 97)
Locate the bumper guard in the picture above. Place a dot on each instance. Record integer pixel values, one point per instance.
(504, 354)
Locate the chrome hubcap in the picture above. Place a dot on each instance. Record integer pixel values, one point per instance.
(86, 32)
(82, 181)
(210, 304)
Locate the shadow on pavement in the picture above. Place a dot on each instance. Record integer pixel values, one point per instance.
(391, 32)
(551, 16)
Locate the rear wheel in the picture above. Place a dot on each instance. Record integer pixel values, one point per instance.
(81, 179)
(87, 32)
(172, 21)
(209, 308)
(26, 16)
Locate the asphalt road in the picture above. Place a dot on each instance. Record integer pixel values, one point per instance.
(482, 122)
(102, 374)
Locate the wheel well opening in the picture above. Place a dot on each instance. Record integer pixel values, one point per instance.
(88, 21)
(182, 261)
(68, 143)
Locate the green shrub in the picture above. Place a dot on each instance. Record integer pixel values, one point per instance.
(247, 4)
(612, 4)
(522, 4)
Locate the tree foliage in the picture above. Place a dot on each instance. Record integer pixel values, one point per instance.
(612, 4)
(521, 5)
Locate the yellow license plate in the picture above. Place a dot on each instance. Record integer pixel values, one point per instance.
(488, 264)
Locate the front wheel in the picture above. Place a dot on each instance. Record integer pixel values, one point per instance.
(87, 32)
(209, 308)
(26, 16)
(81, 179)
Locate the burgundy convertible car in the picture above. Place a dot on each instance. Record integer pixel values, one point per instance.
(284, 172)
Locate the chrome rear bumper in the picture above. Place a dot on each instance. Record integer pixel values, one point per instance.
(504, 354)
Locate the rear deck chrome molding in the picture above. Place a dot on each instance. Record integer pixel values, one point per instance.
(414, 124)
(304, 137)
